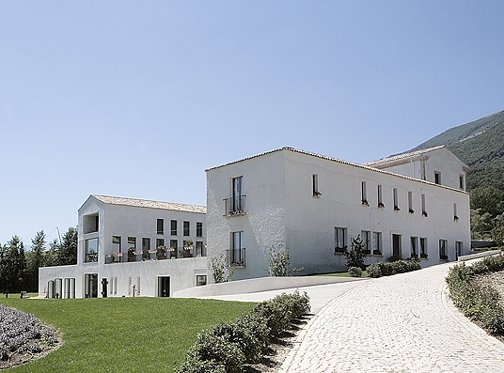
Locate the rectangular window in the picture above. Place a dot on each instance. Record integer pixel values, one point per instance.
(116, 244)
(423, 247)
(380, 197)
(237, 257)
(200, 248)
(201, 280)
(235, 205)
(173, 227)
(437, 177)
(160, 226)
(187, 226)
(455, 215)
(173, 248)
(315, 188)
(410, 203)
(396, 200)
(159, 242)
(461, 182)
(146, 244)
(199, 229)
(131, 244)
(458, 248)
(364, 200)
(442, 250)
(422, 169)
(341, 239)
(414, 247)
(145, 248)
(91, 250)
(377, 243)
(366, 241)
(424, 211)
(188, 249)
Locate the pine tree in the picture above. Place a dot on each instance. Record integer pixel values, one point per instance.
(13, 266)
(36, 259)
(67, 251)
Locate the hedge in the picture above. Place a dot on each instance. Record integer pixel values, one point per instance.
(391, 268)
(478, 302)
(228, 347)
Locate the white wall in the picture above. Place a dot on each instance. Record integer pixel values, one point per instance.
(311, 221)
(138, 222)
(281, 209)
(182, 274)
(263, 224)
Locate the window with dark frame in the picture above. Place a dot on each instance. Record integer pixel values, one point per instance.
(116, 244)
(410, 203)
(364, 200)
(377, 243)
(423, 248)
(380, 197)
(160, 226)
(396, 200)
(315, 186)
(341, 240)
(199, 229)
(437, 177)
(173, 227)
(187, 226)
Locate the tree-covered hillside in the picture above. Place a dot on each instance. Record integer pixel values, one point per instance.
(480, 144)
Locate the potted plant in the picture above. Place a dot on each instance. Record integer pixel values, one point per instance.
(161, 252)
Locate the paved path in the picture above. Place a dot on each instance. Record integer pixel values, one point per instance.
(403, 323)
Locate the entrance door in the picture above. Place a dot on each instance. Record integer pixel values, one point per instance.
(396, 245)
(91, 285)
(104, 283)
(163, 286)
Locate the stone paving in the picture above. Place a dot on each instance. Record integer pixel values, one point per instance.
(403, 323)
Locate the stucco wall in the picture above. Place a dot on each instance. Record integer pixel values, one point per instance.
(182, 273)
(281, 209)
(262, 224)
(311, 221)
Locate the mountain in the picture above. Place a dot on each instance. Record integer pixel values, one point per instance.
(479, 144)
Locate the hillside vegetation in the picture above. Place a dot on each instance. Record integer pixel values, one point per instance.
(480, 144)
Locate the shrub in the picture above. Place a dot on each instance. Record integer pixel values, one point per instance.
(227, 347)
(392, 268)
(355, 271)
(23, 333)
(374, 270)
(279, 261)
(481, 303)
(216, 352)
(355, 257)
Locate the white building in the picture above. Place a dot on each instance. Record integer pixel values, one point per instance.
(130, 247)
(438, 165)
(313, 205)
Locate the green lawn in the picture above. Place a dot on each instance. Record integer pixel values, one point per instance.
(123, 334)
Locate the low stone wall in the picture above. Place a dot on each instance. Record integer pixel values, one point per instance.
(463, 258)
(260, 284)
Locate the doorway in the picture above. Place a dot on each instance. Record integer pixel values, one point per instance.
(163, 286)
(91, 285)
(396, 245)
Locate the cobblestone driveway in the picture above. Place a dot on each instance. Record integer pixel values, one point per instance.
(402, 323)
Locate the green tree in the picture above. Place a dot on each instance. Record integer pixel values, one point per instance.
(36, 259)
(488, 199)
(13, 266)
(355, 257)
(66, 252)
(481, 224)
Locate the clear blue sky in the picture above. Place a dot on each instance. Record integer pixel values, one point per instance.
(138, 98)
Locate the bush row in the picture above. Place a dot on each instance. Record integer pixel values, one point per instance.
(480, 303)
(228, 347)
(22, 333)
(391, 268)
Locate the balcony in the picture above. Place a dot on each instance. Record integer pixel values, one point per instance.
(236, 257)
(234, 205)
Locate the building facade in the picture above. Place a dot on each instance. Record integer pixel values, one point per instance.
(132, 247)
(313, 205)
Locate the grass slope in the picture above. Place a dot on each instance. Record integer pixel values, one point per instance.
(124, 334)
